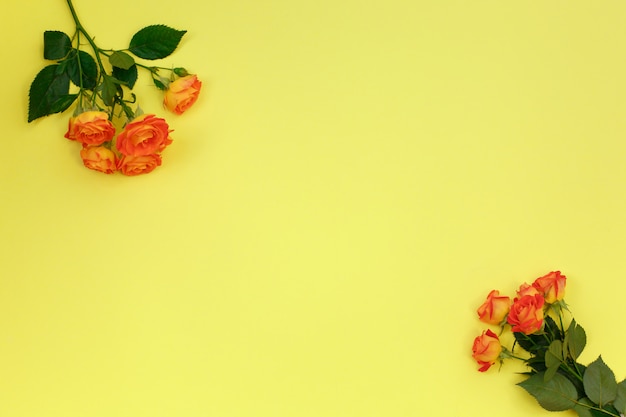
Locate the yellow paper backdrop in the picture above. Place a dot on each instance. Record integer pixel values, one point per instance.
(354, 179)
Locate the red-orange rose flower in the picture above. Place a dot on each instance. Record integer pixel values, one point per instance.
(526, 289)
(91, 128)
(99, 158)
(486, 349)
(144, 135)
(495, 308)
(552, 286)
(182, 94)
(135, 165)
(526, 314)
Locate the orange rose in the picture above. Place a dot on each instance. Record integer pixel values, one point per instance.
(91, 128)
(526, 289)
(526, 314)
(99, 158)
(486, 349)
(144, 135)
(182, 93)
(135, 165)
(494, 309)
(552, 286)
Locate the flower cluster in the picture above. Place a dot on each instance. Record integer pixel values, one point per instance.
(550, 350)
(101, 100)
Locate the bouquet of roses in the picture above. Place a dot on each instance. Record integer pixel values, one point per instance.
(550, 349)
(99, 83)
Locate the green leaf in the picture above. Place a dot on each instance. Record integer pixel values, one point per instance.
(577, 339)
(574, 380)
(159, 84)
(56, 45)
(82, 69)
(553, 359)
(565, 345)
(620, 398)
(599, 382)
(582, 408)
(127, 76)
(47, 87)
(604, 412)
(553, 355)
(121, 60)
(63, 103)
(552, 329)
(612, 410)
(550, 372)
(531, 343)
(600, 413)
(536, 363)
(557, 394)
(155, 42)
(109, 89)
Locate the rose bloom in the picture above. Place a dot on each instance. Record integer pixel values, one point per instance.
(495, 308)
(91, 128)
(486, 349)
(526, 289)
(99, 158)
(135, 165)
(526, 314)
(182, 94)
(552, 286)
(144, 135)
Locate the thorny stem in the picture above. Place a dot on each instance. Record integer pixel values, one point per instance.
(80, 28)
(97, 52)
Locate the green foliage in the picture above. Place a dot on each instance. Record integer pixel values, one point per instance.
(620, 398)
(158, 84)
(155, 42)
(49, 86)
(56, 45)
(49, 91)
(576, 339)
(599, 382)
(127, 76)
(532, 343)
(539, 342)
(558, 382)
(586, 408)
(121, 60)
(553, 359)
(604, 411)
(110, 87)
(552, 329)
(555, 378)
(82, 69)
(556, 394)
(63, 103)
(573, 375)
(583, 407)
(554, 355)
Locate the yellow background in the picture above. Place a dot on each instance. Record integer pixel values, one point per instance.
(354, 179)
